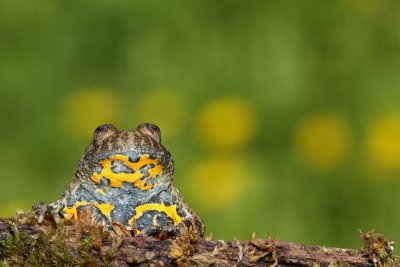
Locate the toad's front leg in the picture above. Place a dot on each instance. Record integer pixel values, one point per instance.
(55, 208)
(159, 227)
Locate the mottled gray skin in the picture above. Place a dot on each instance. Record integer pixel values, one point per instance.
(109, 141)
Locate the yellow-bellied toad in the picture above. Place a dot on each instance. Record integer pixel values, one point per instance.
(126, 176)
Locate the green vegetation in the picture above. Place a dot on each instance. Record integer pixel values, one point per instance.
(283, 117)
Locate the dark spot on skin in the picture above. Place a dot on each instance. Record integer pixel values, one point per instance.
(144, 178)
(145, 171)
(98, 168)
(180, 210)
(157, 198)
(118, 166)
(128, 185)
(105, 181)
(147, 167)
(134, 159)
(152, 156)
(146, 183)
(113, 165)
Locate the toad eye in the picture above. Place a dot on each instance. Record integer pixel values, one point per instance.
(101, 128)
(155, 128)
(103, 131)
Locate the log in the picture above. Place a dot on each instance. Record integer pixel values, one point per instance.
(85, 242)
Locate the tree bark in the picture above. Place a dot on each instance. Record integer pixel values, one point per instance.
(23, 242)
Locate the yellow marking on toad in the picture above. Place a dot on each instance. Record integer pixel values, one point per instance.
(100, 191)
(72, 212)
(170, 211)
(105, 209)
(117, 179)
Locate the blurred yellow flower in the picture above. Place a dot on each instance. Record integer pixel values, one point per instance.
(220, 179)
(322, 140)
(83, 111)
(165, 108)
(227, 122)
(368, 7)
(383, 142)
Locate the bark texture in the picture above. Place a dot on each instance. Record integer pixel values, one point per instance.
(81, 242)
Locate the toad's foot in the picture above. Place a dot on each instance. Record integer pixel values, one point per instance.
(41, 209)
(155, 229)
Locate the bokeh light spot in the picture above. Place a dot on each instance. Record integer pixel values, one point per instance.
(223, 179)
(227, 122)
(83, 111)
(368, 7)
(165, 108)
(322, 140)
(383, 142)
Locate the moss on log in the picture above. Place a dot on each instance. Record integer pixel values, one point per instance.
(84, 242)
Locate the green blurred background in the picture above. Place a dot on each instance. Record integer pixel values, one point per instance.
(283, 117)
